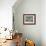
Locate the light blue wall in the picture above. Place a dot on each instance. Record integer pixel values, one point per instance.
(29, 31)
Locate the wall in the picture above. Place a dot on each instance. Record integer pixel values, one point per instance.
(6, 13)
(43, 22)
(29, 31)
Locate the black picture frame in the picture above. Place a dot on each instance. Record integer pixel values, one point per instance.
(29, 19)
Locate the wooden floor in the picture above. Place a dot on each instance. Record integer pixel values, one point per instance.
(9, 43)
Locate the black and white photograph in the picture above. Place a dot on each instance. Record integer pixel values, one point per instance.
(29, 19)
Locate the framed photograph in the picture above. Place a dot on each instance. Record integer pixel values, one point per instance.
(29, 19)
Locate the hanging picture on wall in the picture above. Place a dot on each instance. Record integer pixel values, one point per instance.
(29, 19)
